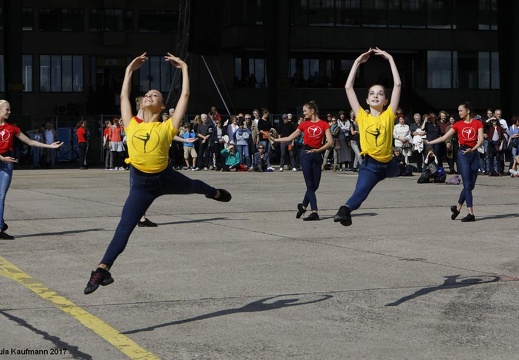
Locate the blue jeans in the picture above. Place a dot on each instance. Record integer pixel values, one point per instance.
(243, 150)
(6, 174)
(371, 172)
(468, 169)
(311, 166)
(144, 189)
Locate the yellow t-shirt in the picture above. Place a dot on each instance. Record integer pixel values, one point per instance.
(376, 134)
(148, 144)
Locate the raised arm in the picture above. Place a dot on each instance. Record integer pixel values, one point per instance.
(350, 91)
(126, 107)
(397, 83)
(181, 108)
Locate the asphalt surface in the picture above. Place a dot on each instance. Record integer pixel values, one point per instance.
(247, 280)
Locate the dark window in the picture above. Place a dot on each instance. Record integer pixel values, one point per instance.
(61, 20)
(487, 14)
(157, 21)
(156, 74)
(439, 14)
(117, 20)
(61, 73)
(27, 19)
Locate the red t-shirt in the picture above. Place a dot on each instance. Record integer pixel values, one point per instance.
(7, 134)
(467, 132)
(313, 132)
(81, 132)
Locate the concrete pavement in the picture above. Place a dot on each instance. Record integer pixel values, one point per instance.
(247, 280)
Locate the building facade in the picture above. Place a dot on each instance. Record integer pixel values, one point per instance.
(67, 58)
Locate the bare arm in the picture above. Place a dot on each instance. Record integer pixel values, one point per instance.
(288, 138)
(443, 138)
(350, 91)
(126, 107)
(397, 83)
(181, 108)
(35, 143)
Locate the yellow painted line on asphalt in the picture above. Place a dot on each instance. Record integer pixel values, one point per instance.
(121, 342)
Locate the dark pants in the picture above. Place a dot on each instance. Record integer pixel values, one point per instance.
(204, 154)
(311, 166)
(371, 172)
(82, 146)
(144, 189)
(468, 165)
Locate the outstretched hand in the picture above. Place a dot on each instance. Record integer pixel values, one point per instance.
(175, 61)
(382, 53)
(137, 62)
(56, 144)
(364, 56)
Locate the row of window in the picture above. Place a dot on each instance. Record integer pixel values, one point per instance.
(431, 14)
(445, 70)
(107, 20)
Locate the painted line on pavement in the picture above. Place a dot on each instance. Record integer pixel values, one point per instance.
(101, 328)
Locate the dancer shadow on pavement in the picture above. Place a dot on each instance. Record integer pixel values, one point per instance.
(452, 281)
(255, 306)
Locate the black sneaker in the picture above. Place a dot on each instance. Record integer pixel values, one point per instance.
(146, 223)
(468, 218)
(5, 227)
(98, 277)
(455, 212)
(300, 210)
(5, 236)
(225, 196)
(312, 217)
(343, 216)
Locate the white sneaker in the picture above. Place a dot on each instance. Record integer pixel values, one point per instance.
(205, 169)
(280, 169)
(294, 169)
(270, 168)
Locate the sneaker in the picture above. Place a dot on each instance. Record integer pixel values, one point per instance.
(343, 216)
(300, 210)
(98, 277)
(205, 168)
(251, 169)
(312, 217)
(211, 167)
(5, 227)
(196, 169)
(468, 218)
(455, 212)
(294, 169)
(270, 168)
(225, 196)
(146, 223)
(280, 169)
(5, 236)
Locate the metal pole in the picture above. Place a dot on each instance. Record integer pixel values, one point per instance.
(216, 86)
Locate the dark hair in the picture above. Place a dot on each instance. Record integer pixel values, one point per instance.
(312, 105)
(467, 106)
(264, 111)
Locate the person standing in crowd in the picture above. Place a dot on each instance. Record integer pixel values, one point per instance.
(51, 137)
(513, 141)
(315, 131)
(204, 133)
(8, 133)
(82, 143)
(150, 175)
(375, 132)
(496, 145)
(109, 160)
(286, 128)
(470, 137)
(35, 151)
(452, 148)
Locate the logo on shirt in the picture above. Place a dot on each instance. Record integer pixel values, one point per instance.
(314, 131)
(469, 133)
(145, 141)
(375, 134)
(5, 135)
